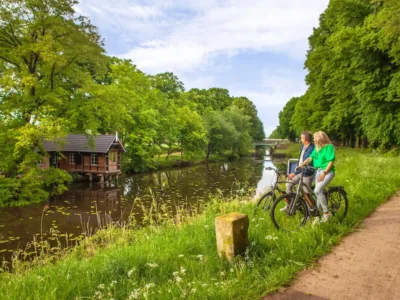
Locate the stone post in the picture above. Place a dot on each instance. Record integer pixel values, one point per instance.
(232, 234)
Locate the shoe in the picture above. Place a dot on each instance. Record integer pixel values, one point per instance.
(316, 221)
(285, 209)
(325, 218)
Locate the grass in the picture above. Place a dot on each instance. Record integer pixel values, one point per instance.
(290, 150)
(175, 159)
(179, 260)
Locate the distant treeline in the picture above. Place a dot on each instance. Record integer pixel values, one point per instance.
(353, 77)
(55, 79)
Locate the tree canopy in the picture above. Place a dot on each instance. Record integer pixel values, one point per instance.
(56, 79)
(353, 76)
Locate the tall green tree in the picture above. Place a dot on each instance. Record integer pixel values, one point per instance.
(49, 62)
(257, 129)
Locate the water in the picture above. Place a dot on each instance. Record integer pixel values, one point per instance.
(75, 212)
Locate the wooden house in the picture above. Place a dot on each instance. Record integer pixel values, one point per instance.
(76, 153)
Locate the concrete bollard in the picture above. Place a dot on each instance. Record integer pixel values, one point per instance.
(232, 234)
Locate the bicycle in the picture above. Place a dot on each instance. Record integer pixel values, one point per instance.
(266, 201)
(299, 210)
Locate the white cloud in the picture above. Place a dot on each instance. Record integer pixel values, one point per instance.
(187, 34)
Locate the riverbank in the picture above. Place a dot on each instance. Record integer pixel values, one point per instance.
(287, 150)
(179, 259)
(175, 160)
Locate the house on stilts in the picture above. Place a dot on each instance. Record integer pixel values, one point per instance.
(99, 156)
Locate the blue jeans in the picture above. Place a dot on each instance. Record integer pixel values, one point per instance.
(322, 202)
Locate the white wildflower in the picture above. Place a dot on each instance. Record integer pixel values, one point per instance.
(152, 265)
(135, 294)
(178, 278)
(101, 286)
(222, 273)
(232, 270)
(200, 256)
(130, 272)
(183, 270)
(150, 285)
(181, 255)
(192, 291)
(269, 237)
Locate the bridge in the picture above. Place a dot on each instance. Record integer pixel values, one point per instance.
(269, 142)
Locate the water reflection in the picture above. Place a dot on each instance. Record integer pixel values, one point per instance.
(76, 210)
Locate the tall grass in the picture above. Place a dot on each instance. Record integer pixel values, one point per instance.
(179, 259)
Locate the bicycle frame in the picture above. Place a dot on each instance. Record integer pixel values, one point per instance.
(300, 193)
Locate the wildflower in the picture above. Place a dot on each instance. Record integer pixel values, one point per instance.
(178, 278)
(232, 270)
(222, 273)
(200, 256)
(113, 283)
(150, 285)
(152, 265)
(101, 286)
(269, 237)
(183, 270)
(192, 291)
(204, 284)
(181, 255)
(175, 273)
(135, 294)
(130, 272)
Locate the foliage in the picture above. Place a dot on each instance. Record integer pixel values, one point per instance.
(55, 79)
(353, 75)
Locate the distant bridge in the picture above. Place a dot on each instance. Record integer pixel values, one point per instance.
(269, 142)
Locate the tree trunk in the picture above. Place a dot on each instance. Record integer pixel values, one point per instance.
(357, 145)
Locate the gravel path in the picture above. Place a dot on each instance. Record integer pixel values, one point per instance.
(365, 265)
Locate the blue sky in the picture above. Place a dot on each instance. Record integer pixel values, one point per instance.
(253, 48)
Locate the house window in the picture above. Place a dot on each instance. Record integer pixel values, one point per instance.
(93, 159)
(72, 158)
(113, 156)
(54, 159)
(40, 163)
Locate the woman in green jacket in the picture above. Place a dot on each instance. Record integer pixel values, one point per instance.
(323, 158)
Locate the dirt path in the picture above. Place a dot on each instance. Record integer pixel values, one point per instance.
(365, 265)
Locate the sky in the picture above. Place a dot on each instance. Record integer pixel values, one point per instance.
(253, 48)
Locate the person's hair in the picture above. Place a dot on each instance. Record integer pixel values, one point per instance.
(307, 135)
(321, 139)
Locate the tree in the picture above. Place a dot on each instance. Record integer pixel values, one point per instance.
(49, 62)
(248, 107)
(285, 116)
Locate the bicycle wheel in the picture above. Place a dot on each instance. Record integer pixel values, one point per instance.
(282, 219)
(266, 201)
(338, 204)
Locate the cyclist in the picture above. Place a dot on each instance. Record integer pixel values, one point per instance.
(306, 149)
(323, 158)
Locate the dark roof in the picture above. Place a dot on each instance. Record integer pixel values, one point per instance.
(81, 143)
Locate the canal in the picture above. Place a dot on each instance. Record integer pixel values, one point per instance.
(85, 207)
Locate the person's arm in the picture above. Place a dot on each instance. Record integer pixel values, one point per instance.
(306, 162)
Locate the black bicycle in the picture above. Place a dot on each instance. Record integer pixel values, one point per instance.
(291, 211)
(266, 200)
